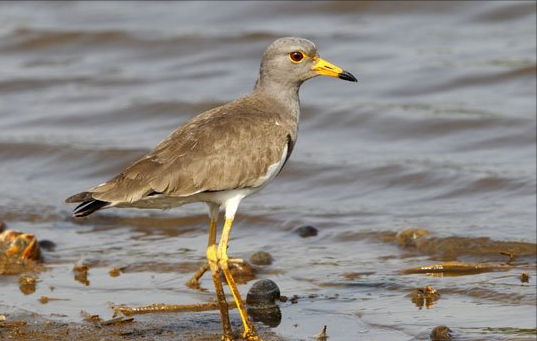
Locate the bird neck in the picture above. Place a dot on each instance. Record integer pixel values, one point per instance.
(285, 94)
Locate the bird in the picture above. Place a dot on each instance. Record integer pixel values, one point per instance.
(222, 156)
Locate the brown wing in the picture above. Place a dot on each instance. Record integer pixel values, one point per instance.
(228, 147)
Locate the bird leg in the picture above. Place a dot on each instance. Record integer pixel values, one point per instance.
(249, 331)
(221, 298)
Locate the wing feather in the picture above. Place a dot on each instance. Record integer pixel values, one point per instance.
(228, 147)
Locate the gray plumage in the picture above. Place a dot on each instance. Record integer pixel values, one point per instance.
(230, 147)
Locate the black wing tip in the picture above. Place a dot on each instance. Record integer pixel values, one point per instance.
(88, 207)
(79, 197)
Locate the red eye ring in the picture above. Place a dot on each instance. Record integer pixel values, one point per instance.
(296, 57)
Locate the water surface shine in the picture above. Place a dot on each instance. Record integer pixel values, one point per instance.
(439, 134)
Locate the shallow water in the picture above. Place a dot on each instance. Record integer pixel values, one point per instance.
(439, 134)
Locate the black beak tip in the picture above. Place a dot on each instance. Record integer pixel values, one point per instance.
(346, 75)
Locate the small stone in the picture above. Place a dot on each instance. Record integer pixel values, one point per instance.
(441, 333)
(114, 272)
(294, 299)
(261, 258)
(525, 277)
(241, 271)
(306, 231)
(263, 293)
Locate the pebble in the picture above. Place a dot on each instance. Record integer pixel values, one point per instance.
(261, 258)
(524, 277)
(307, 231)
(441, 333)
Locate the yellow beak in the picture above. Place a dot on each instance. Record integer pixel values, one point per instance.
(324, 68)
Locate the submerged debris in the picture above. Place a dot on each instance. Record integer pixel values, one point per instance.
(81, 272)
(27, 284)
(116, 271)
(168, 308)
(424, 296)
(451, 248)
(525, 277)
(456, 269)
(46, 299)
(97, 320)
(408, 237)
(511, 255)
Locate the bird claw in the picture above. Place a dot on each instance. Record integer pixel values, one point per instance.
(251, 336)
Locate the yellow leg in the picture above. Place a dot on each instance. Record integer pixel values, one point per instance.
(213, 264)
(249, 331)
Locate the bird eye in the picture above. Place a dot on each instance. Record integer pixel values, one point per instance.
(296, 57)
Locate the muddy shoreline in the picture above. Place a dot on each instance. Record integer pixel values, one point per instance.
(179, 327)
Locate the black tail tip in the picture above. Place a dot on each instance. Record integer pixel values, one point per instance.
(88, 207)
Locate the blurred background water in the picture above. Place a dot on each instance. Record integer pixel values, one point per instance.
(439, 134)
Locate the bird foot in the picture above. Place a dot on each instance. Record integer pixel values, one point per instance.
(251, 336)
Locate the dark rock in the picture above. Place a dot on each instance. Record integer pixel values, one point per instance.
(263, 293)
(306, 231)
